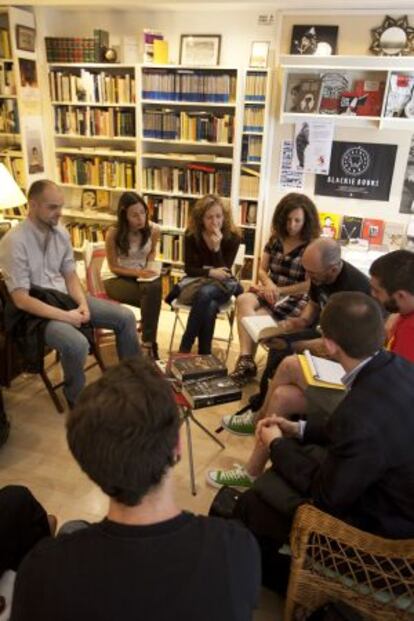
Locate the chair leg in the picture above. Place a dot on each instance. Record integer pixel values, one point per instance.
(97, 353)
(230, 317)
(173, 332)
(51, 390)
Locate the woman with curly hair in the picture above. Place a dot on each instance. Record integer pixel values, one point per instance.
(283, 284)
(130, 246)
(210, 247)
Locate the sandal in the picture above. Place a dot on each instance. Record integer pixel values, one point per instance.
(244, 370)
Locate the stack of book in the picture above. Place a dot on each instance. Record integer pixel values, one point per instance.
(70, 50)
(194, 179)
(251, 149)
(5, 48)
(169, 211)
(96, 171)
(92, 87)
(204, 380)
(85, 121)
(171, 248)
(253, 120)
(174, 125)
(7, 82)
(79, 233)
(249, 183)
(188, 85)
(256, 86)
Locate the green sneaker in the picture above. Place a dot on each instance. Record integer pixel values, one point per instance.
(240, 424)
(236, 477)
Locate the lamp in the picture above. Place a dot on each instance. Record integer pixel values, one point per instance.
(10, 193)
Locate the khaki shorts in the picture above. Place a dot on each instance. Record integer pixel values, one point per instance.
(323, 400)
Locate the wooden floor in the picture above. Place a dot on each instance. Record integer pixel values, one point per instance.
(36, 454)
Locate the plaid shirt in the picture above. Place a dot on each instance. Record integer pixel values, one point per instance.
(286, 269)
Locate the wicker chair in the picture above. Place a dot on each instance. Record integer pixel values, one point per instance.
(334, 561)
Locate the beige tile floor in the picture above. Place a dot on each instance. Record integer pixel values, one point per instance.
(36, 454)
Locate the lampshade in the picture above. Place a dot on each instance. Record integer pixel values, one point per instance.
(10, 193)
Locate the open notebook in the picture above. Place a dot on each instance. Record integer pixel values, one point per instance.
(321, 372)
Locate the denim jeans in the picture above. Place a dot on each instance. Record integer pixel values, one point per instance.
(73, 345)
(202, 318)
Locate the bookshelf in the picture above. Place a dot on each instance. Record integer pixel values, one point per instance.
(341, 80)
(189, 144)
(93, 110)
(256, 103)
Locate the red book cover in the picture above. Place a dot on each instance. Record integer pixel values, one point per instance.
(373, 230)
(374, 92)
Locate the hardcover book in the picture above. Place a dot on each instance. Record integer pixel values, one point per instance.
(192, 366)
(373, 231)
(351, 228)
(211, 391)
(330, 224)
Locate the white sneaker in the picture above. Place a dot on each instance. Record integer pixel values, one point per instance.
(240, 424)
(235, 477)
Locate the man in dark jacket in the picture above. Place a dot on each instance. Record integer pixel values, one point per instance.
(364, 473)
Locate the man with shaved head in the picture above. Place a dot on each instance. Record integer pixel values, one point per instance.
(37, 253)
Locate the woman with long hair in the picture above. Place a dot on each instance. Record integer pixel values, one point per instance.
(130, 247)
(283, 284)
(210, 247)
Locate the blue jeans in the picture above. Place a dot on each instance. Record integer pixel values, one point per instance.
(202, 318)
(73, 346)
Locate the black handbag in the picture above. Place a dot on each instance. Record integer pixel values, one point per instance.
(224, 503)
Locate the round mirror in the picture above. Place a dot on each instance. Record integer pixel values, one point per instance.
(393, 40)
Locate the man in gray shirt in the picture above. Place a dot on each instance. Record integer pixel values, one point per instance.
(38, 252)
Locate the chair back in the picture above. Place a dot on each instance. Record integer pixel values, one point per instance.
(94, 255)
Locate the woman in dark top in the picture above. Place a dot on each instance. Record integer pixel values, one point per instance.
(210, 247)
(283, 284)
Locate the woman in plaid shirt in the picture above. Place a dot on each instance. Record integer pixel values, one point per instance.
(283, 286)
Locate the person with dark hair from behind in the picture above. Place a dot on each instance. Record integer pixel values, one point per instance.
(359, 464)
(130, 248)
(392, 284)
(147, 559)
(37, 254)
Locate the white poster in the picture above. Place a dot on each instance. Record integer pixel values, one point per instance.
(289, 178)
(32, 127)
(312, 146)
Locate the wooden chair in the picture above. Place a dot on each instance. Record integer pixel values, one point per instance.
(227, 310)
(334, 561)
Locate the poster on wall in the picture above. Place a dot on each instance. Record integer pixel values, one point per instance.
(359, 170)
(289, 178)
(407, 195)
(34, 146)
(313, 146)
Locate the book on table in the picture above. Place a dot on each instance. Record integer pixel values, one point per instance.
(321, 372)
(152, 266)
(194, 366)
(204, 392)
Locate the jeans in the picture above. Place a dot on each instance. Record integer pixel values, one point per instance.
(202, 318)
(73, 345)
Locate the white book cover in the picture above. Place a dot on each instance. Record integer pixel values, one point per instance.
(260, 327)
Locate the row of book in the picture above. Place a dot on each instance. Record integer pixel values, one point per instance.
(256, 86)
(253, 119)
(9, 117)
(192, 179)
(249, 186)
(171, 212)
(174, 125)
(96, 171)
(15, 165)
(76, 49)
(79, 233)
(251, 149)
(85, 121)
(189, 85)
(171, 248)
(7, 82)
(5, 47)
(248, 239)
(376, 232)
(92, 87)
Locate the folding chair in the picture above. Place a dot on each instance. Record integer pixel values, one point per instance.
(227, 310)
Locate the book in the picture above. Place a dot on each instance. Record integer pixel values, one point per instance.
(321, 372)
(260, 327)
(153, 266)
(373, 230)
(394, 235)
(209, 391)
(192, 366)
(333, 85)
(302, 93)
(351, 228)
(399, 94)
(160, 50)
(330, 224)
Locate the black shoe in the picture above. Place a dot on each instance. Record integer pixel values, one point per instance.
(245, 370)
(155, 354)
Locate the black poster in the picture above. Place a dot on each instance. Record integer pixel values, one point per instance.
(359, 170)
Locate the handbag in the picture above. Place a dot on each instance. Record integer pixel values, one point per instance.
(224, 503)
(189, 290)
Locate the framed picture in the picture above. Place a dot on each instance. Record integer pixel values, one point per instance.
(259, 54)
(200, 50)
(25, 38)
(314, 40)
(88, 199)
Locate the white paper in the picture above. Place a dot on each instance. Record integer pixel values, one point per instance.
(312, 146)
(289, 178)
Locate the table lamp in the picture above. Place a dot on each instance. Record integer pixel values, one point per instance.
(10, 193)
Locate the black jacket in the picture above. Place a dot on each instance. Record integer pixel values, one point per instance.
(367, 477)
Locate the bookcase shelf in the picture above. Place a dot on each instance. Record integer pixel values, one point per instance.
(195, 143)
(99, 152)
(183, 157)
(87, 186)
(191, 104)
(91, 104)
(106, 138)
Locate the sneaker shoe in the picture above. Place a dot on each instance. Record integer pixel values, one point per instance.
(235, 477)
(244, 370)
(240, 424)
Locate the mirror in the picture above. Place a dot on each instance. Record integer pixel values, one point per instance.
(393, 38)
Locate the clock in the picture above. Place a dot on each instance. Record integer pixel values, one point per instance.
(109, 54)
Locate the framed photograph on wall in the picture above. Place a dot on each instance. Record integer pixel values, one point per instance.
(200, 50)
(25, 38)
(314, 40)
(259, 54)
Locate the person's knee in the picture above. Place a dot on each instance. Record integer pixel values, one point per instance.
(127, 318)
(76, 346)
(204, 296)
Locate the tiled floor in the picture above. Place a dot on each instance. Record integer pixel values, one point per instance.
(36, 455)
